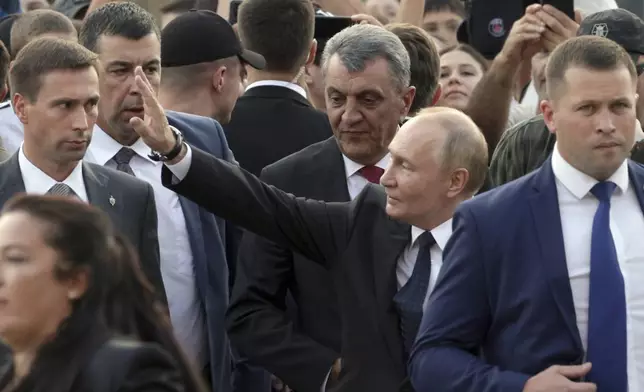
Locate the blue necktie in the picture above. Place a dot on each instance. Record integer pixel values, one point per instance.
(607, 304)
(410, 298)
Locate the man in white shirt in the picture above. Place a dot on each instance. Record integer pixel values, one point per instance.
(437, 160)
(193, 243)
(542, 286)
(55, 94)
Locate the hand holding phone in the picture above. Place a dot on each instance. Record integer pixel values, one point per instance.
(565, 6)
(560, 26)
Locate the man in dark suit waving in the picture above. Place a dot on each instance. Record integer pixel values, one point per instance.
(383, 249)
(55, 94)
(543, 275)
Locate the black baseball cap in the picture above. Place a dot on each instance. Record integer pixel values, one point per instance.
(202, 36)
(6, 23)
(71, 8)
(618, 25)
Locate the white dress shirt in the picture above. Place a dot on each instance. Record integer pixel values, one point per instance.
(37, 182)
(577, 207)
(407, 260)
(177, 270)
(295, 87)
(355, 181)
(13, 131)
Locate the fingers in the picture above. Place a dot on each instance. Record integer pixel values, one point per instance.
(532, 8)
(576, 371)
(579, 17)
(582, 387)
(365, 19)
(558, 22)
(143, 84)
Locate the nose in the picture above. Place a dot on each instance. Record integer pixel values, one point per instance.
(80, 120)
(351, 113)
(454, 77)
(605, 123)
(387, 179)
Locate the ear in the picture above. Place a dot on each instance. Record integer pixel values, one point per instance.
(408, 99)
(312, 50)
(437, 95)
(547, 109)
(308, 77)
(21, 108)
(218, 78)
(77, 284)
(458, 182)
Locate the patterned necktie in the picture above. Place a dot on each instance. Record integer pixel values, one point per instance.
(372, 173)
(607, 303)
(410, 298)
(60, 189)
(123, 158)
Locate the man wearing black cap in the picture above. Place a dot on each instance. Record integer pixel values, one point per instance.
(192, 242)
(526, 146)
(273, 118)
(203, 65)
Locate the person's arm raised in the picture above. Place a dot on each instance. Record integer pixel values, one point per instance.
(316, 229)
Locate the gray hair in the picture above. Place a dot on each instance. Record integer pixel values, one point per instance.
(360, 44)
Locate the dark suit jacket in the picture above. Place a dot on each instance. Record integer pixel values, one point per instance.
(115, 364)
(300, 349)
(270, 123)
(211, 243)
(133, 213)
(504, 289)
(356, 241)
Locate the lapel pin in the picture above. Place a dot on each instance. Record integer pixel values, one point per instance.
(112, 200)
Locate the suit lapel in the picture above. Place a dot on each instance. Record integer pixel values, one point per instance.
(10, 179)
(545, 211)
(99, 194)
(330, 176)
(637, 179)
(389, 244)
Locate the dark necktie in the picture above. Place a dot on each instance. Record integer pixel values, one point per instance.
(372, 173)
(123, 158)
(60, 189)
(607, 303)
(410, 298)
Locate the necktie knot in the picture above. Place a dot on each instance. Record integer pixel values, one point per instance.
(603, 190)
(124, 156)
(426, 240)
(372, 173)
(60, 189)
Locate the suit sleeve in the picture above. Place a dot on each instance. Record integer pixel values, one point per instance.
(153, 370)
(315, 229)
(149, 251)
(456, 322)
(258, 323)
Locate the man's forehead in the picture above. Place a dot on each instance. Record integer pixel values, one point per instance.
(375, 75)
(114, 47)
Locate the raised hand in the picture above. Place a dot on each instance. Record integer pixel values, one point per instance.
(153, 128)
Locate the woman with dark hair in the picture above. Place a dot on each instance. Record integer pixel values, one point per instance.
(462, 67)
(61, 265)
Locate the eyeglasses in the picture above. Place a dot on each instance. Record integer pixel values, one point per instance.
(640, 69)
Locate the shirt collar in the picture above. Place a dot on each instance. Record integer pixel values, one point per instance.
(103, 148)
(38, 182)
(295, 87)
(351, 167)
(441, 233)
(580, 184)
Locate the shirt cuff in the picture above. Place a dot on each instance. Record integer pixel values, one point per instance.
(326, 380)
(180, 169)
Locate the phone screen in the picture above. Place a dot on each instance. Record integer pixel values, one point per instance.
(233, 10)
(565, 6)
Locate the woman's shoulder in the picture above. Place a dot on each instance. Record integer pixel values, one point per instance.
(122, 365)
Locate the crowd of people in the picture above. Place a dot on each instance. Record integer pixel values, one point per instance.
(298, 196)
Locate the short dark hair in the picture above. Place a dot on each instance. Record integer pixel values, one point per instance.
(280, 30)
(42, 56)
(319, 51)
(36, 23)
(590, 52)
(424, 63)
(122, 19)
(455, 6)
(178, 6)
